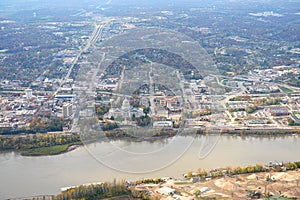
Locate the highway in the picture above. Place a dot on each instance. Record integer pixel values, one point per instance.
(97, 34)
(151, 89)
(92, 40)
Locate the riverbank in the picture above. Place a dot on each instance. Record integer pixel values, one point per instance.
(58, 143)
(276, 181)
(167, 133)
(263, 132)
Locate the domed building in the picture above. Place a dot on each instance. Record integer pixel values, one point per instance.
(126, 111)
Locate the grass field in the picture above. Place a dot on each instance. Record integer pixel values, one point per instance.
(182, 183)
(286, 90)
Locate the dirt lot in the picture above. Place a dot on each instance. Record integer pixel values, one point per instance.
(286, 184)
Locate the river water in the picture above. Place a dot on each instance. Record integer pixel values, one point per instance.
(28, 176)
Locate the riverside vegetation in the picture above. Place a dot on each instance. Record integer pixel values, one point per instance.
(127, 190)
(55, 143)
(40, 144)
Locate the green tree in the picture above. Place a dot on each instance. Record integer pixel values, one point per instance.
(189, 174)
(146, 111)
(109, 126)
(143, 121)
(291, 122)
(251, 109)
(197, 193)
(199, 171)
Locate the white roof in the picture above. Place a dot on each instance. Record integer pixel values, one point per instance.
(166, 190)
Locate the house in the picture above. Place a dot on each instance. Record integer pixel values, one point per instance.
(173, 104)
(277, 110)
(161, 101)
(204, 189)
(195, 179)
(113, 78)
(168, 124)
(166, 191)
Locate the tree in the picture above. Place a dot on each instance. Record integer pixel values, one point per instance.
(199, 170)
(291, 166)
(291, 122)
(251, 109)
(109, 126)
(143, 120)
(250, 169)
(101, 110)
(146, 111)
(189, 174)
(197, 193)
(238, 170)
(133, 117)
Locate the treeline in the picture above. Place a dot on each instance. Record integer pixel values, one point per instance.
(107, 190)
(100, 191)
(261, 132)
(37, 141)
(199, 113)
(101, 110)
(259, 102)
(256, 104)
(40, 125)
(149, 180)
(37, 125)
(267, 101)
(143, 120)
(240, 98)
(165, 132)
(110, 126)
(243, 170)
(130, 60)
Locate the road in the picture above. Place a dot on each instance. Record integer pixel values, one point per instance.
(184, 96)
(97, 33)
(151, 89)
(227, 97)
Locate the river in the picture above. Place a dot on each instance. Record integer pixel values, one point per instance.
(28, 176)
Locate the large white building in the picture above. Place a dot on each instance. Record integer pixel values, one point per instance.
(28, 93)
(67, 110)
(126, 111)
(166, 124)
